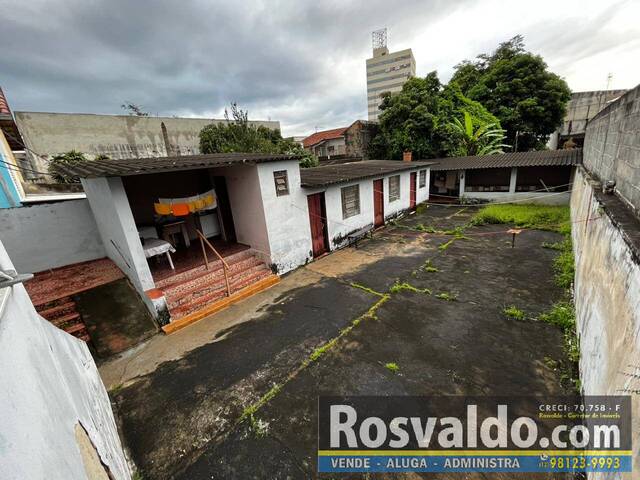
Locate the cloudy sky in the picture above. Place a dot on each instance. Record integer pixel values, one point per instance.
(299, 62)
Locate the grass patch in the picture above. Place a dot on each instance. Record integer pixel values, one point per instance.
(542, 217)
(392, 367)
(428, 267)
(514, 313)
(367, 289)
(422, 208)
(447, 296)
(562, 314)
(563, 265)
(404, 286)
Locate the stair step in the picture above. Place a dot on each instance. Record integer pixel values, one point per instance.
(75, 328)
(212, 275)
(214, 264)
(199, 289)
(65, 319)
(52, 304)
(52, 312)
(200, 301)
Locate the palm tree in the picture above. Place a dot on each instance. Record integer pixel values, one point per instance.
(486, 140)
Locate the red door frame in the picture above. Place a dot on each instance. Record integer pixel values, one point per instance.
(318, 224)
(378, 203)
(413, 190)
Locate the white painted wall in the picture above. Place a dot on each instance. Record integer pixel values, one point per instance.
(50, 235)
(245, 197)
(119, 233)
(607, 298)
(286, 217)
(49, 384)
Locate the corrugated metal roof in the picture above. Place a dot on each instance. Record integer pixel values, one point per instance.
(141, 166)
(346, 172)
(513, 159)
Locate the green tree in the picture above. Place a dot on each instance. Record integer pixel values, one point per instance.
(238, 135)
(419, 118)
(69, 158)
(483, 140)
(517, 87)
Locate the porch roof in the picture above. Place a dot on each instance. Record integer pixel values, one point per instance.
(346, 172)
(141, 166)
(553, 158)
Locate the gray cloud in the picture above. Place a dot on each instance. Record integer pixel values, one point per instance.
(298, 62)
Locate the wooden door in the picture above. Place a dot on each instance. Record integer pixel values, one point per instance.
(318, 222)
(412, 190)
(378, 203)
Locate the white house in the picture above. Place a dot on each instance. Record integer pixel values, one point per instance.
(268, 217)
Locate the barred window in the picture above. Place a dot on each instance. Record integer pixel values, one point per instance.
(423, 179)
(350, 201)
(282, 183)
(394, 188)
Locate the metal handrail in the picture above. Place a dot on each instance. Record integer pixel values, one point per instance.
(225, 265)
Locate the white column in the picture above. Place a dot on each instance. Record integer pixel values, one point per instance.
(462, 176)
(513, 179)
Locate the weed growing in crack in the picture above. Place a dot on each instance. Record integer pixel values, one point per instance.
(446, 245)
(259, 427)
(514, 313)
(366, 289)
(447, 296)
(392, 367)
(404, 286)
(427, 267)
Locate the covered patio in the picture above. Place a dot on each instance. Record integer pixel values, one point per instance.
(188, 231)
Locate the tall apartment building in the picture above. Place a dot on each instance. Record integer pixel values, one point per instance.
(386, 72)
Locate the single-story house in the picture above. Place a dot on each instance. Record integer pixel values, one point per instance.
(540, 176)
(189, 231)
(351, 142)
(326, 143)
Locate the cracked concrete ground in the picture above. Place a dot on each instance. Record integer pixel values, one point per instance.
(180, 417)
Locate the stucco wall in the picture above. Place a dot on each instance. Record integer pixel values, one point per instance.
(118, 136)
(612, 146)
(243, 186)
(607, 298)
(50, 235)
(50, 383)
(286, 217)
(119, 234)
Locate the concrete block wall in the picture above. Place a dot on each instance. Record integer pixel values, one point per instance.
(612, 146)
(50, 235)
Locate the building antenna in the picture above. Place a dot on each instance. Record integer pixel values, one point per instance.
(379, 38)
(609, 78)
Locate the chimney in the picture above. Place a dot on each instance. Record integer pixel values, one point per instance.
(407, 156)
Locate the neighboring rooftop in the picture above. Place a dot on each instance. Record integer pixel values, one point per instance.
(346, 172)
(512, 159)
(141, 166)
(318, 137)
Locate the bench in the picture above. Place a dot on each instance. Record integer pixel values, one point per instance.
(358, 234)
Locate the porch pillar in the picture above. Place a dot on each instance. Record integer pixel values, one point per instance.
(461, 177)
(513, 180)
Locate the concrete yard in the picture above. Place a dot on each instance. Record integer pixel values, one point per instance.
(179, 398)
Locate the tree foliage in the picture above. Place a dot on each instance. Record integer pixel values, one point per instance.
(238, 135)
(517, 87)
(419, 118)
(483, 140)
(69, 158)
(134, 109)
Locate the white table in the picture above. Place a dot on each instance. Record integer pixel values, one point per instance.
(155, 246)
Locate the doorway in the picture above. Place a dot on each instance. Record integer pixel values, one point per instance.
(318, 222)
(413, 186)
(378, 203)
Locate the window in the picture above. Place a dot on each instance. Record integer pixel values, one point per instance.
(350, 201)
(423, 179)
(394, 188)
(282, 183)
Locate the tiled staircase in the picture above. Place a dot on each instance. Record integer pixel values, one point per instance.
(192, 290)
(63, 313)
